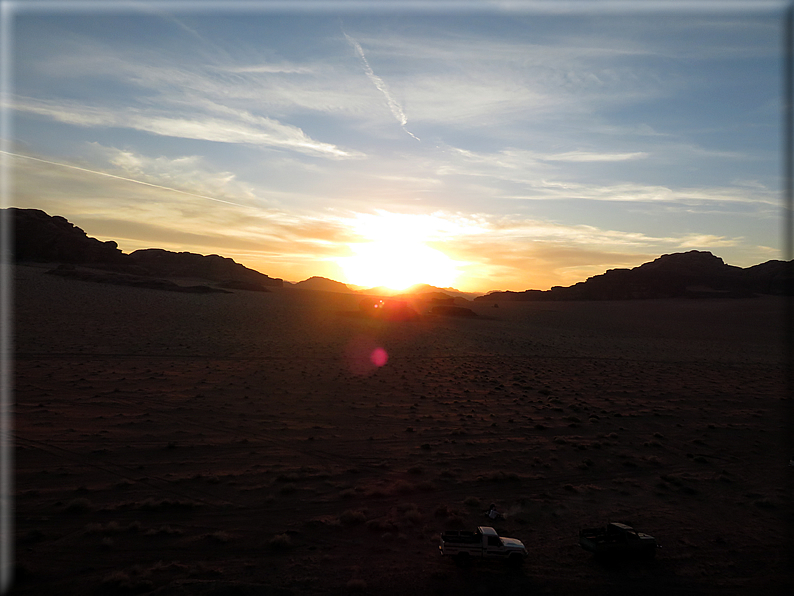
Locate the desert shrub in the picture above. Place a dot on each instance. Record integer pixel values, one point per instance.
(80, 505)
(357, 586)
(280, 543)
(288, 477)
(117, 580)
(288, 489)
(151, 504)
(352, 518)
(219, 536)
(377, 526)
(499, 476)
(413, 516)
(765, 503)
(472, 502)
(109, 528)
(120, 582)
(163, 530)
(403, 488)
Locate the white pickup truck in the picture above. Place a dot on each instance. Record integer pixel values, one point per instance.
(483, 543)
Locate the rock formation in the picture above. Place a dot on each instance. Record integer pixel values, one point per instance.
(191, 265)
(693, 274)
(42, 238)
(39, 237)
(323, 284)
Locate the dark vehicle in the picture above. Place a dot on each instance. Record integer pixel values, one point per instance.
(618, 540)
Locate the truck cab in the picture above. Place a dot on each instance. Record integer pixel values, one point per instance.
(483, 543)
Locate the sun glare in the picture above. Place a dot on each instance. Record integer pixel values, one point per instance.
(398, 256)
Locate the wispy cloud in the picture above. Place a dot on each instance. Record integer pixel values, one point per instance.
(589, 156)
(395, 107)
(246, 128)
(271, 68)
(117, 177)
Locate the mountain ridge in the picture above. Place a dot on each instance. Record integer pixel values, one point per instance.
(40, 237)
(692, 274)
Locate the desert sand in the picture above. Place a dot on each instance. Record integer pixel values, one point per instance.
(245, 443)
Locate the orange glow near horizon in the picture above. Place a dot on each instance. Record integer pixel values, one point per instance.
(397, 255)
(397, 265)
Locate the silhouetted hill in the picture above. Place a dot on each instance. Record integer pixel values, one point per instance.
(39, 237)
(187, 264)
(323, 284)
(43, 238)
(693, 274)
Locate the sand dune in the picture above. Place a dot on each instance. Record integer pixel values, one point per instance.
(245, 443)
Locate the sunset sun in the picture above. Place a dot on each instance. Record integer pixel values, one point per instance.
(398, 255)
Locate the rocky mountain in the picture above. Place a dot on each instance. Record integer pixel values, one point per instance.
(39, 237)
(187, 264)
(693, 274)
(43, 238)
(322, 284)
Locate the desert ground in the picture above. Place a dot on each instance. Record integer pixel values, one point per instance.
(245, 443)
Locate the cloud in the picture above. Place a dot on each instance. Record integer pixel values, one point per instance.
(394, 107)
(114, 207)
(522, 175)
(245, 128)
(589, 156)
(270, 68)
(512, 252)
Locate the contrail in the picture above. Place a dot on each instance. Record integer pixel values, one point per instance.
(64, 165)
(395, 108)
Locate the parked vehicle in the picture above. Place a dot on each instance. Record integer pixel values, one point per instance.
(617, 539)
(484, 543)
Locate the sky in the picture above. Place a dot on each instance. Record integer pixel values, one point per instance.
(500, 146)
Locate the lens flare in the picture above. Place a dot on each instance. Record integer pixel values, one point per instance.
(379, 357)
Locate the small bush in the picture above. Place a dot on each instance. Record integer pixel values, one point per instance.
(280, 543)
(80, 505)
(357, 586)
(413, 516)
(164, 530)
(352, 518)
(219, 536)
(288, 489)
(403, 488)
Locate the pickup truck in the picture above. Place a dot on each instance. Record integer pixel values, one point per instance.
(616, 539)
(482, 543)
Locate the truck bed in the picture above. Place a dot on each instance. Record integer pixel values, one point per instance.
(462, 537)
